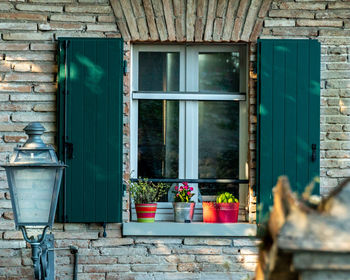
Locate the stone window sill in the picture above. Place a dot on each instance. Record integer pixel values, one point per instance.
(189, 229)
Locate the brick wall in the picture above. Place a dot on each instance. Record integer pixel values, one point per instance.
(28, 67)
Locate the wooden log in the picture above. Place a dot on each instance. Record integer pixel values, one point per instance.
(265, 6)
(169, 19)
(202, 7)
(241, 14)
(140, 19)
(250, 19)
(160, 21)
(120, 19)
(229, 20)
(180, 20)
(130, 19)
(147, 4)
(190, 20)
(256, 30)
(219, 20)
(210, 20)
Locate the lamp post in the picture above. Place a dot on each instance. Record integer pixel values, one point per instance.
(34, 177)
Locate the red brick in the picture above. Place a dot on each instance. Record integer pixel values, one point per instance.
(23, 16)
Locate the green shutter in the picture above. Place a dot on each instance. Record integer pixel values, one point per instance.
(288, 115)
(89, 105)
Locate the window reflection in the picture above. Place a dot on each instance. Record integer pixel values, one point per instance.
(158, 139)
(219, 72)
(159, 71)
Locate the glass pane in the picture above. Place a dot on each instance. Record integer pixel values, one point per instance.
(34, 156)
(219, 72)
(158, 139)
(159, 71)
(33, 188)
(218, 143)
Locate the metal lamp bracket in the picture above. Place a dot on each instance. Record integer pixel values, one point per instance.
(43, 255)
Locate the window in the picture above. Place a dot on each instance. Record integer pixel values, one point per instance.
(189, 115)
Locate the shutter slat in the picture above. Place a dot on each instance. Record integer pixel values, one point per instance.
(94, 126)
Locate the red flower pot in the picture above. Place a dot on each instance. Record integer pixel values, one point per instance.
(209, 212)
(228, 212)
(146, 212)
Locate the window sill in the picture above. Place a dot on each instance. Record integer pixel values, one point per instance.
(190, 229)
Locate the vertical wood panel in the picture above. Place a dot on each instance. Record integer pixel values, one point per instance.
(94, 127)
(289, 114)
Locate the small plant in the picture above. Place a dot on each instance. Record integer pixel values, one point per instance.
(183, 193)
(226, 197)
(144, 191)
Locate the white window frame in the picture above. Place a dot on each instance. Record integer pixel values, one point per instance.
(188, 96)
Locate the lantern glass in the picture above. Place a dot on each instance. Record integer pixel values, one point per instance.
(34, 191)
(40, 156)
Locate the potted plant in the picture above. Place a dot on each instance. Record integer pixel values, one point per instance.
(145, 195)
(183, 206)
(224, 210)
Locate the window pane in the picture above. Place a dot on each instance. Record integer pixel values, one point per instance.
(219, 72)
(158, 139)
(159, 71)
(218, 142)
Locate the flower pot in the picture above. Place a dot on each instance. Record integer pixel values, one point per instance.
(227, 212)
(146, 212)
(210, 212)
(183, 212)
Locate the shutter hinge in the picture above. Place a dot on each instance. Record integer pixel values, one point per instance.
(125, 67)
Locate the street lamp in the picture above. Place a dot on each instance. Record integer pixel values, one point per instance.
(34, 177)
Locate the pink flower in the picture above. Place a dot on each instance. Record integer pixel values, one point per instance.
(186, 187)
(177, 194)
(189, 193)
(180, 189)
(191, 189)
(176, 188)
(185, 183)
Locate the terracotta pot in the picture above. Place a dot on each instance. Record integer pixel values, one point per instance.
(210, 214)
(146, 212)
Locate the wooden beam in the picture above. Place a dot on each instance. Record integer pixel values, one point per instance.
(229, 20)
(210, 20)
(169, 19)
(202, 6)
(120, 19)
(147, 4)
(241, 13)
(180, 21)
(250, 19)
(219, 21)
(140, 19)
(160, 21)
(190, 19)
(130, 19)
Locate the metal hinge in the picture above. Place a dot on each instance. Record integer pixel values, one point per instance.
(125, 67)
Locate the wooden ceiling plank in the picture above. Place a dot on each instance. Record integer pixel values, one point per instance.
(120, 19)
(202, 6)
(153, 31)
(219, 21)
(169, 19)
(140, 19)
(241, 13)
(250, 19)
(190, 20)
(130, 19)
(229, 19)
(180, 21)
(160, 22)
(210, 20)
